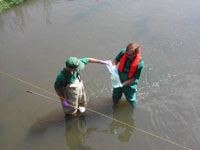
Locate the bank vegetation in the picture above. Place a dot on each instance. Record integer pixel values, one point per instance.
(5, 4)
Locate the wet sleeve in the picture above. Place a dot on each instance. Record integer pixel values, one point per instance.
(139, 70)
(119, 56)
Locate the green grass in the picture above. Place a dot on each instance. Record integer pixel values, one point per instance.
(5, 4)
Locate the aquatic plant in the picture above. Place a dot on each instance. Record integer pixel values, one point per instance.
(5, 4)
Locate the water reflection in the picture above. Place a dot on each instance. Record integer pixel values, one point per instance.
(76, 132)
(91, 11)
(19, 17)
(14, 18)
(48, 10)
(124, 113)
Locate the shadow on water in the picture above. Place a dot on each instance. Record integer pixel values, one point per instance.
(41, 124)
(44, 129)
(75, 131)
(79, 128)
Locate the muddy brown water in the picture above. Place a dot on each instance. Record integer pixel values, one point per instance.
(37, 36)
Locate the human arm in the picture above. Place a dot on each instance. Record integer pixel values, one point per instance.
(128, 82)
(57, 86)
(58, 92)
(136, 76)
(114, 62)
(94, 60)
(64, 103)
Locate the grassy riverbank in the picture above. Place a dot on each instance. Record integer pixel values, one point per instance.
(4, 4)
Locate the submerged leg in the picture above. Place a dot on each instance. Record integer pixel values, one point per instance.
(130, 94)
(117, 94)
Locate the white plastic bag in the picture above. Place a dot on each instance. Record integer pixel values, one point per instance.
(115, 80)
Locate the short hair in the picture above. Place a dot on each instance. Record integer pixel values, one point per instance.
(134, 47)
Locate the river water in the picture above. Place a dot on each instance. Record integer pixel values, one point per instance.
(37, 36)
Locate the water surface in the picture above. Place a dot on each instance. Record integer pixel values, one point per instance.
(36, 37)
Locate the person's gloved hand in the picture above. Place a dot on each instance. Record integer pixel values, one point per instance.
(105, 62)
(64, 103)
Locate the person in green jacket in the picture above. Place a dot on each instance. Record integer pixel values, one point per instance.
(69, 86)
(130, 66)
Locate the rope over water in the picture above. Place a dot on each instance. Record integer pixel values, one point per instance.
(101, 114)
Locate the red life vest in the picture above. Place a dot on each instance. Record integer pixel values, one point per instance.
(134, 64)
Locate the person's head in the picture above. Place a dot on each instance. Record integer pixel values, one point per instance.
(73, 64)
(132, 49)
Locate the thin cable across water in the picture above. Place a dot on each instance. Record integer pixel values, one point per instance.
(101, 114)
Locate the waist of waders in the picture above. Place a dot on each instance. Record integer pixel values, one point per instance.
(66, 81)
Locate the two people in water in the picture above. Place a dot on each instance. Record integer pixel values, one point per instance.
(70, 89)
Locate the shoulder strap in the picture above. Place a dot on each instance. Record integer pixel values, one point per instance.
(79, 76)
(134, 64)
(122, 62)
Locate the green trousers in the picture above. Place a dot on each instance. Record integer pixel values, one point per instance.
(129, 92)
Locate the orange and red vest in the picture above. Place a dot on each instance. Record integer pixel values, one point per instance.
(134, 64)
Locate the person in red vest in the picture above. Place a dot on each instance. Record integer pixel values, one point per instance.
(130, 66)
